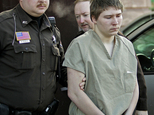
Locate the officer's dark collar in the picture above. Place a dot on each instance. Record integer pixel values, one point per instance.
(26, 19)
(38, 19)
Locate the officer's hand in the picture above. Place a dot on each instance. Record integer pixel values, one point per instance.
(141, 112)
(82, 84)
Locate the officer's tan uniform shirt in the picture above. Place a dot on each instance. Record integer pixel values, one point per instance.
(110, 80)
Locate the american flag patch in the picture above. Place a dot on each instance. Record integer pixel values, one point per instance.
(22, 36)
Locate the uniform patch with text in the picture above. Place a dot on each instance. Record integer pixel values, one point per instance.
(23, 37)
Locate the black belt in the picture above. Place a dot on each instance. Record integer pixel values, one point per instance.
(17, 112)
(11, 111)
(50, 110)
(5, 110)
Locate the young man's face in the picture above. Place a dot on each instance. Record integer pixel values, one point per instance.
(82, 14)
(109, 21)
(35, 7)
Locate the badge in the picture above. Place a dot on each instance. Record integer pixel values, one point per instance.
(24, 22)
(23, 37)
(54, 39)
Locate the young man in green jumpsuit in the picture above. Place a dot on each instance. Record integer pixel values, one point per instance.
(98, 55)
(82, 14)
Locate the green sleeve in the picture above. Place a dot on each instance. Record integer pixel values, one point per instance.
(74, 57)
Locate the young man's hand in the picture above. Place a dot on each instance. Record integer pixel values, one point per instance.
(82, 84)
(141, 112)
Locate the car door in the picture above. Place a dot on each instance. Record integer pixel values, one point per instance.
(143, 40)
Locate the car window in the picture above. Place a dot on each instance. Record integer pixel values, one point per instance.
(137, 24)
(144, 44)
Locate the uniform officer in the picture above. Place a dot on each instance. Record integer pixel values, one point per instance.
(29, 53)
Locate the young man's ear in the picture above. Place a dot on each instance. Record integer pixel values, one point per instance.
(93, 19)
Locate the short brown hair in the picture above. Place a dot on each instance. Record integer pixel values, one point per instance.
(76, 1)
(97, 6)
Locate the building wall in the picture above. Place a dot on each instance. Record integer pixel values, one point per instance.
(136, 3)
(134, 9)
